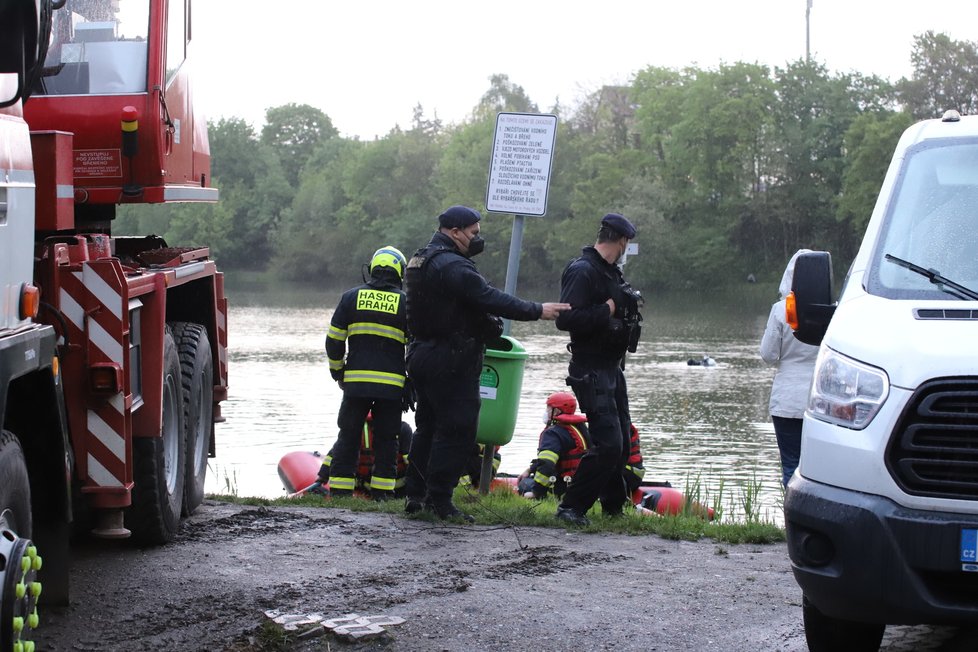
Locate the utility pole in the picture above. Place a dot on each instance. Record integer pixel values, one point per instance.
(808, 32)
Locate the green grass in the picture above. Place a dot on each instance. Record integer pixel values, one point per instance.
(503, 507)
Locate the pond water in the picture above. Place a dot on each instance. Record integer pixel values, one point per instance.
(706, 427)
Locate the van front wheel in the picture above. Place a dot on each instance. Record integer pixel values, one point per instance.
(826, 634)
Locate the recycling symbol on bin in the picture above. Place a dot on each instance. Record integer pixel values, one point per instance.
(489, 377)
(488, 383)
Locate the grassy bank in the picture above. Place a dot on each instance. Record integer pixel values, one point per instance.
(503, 507)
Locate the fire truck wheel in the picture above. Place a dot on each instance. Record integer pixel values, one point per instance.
(20, 561)
(159, 462)
(198, 407)
(15, 490)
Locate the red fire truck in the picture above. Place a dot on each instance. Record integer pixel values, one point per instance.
(113, 350)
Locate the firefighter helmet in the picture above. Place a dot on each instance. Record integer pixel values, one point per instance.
(563, 401)
(389, 257)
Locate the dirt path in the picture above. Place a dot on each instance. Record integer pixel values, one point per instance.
(465, 588)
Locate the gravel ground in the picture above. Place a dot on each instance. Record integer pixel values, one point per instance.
(458, 587)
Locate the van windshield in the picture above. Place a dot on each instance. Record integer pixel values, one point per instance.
(932, 222)
(98, 47)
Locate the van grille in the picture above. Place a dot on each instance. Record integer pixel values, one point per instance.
(934, 451)
(940, 313)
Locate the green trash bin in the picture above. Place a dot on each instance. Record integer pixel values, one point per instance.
(499, 387)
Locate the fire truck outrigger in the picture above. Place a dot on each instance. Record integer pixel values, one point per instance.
(113, 350)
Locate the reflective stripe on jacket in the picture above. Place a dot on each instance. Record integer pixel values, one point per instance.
(562, 446)
(365, 461)
(366, 338)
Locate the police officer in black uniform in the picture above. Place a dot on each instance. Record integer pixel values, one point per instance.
(603, 322)
(452, 313)
(365, 347)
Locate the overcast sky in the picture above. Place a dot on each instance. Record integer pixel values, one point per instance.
(368, 63)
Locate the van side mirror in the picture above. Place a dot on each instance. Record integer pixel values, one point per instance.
(811, 297)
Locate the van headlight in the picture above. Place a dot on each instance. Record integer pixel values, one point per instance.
(846, 392)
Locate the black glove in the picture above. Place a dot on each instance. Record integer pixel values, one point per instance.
(337, 375)
(491, 328)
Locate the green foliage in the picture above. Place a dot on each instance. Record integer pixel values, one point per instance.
(725, 172)
(294, 131)
(272, 638)
(749, 504)
(463, 166)
(233, 142)
(945, 74)
(254, 196)
(870, 142)
(705, 136)
(503, 96)
(355, 197)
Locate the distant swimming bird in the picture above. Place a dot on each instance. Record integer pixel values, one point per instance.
(707, 361)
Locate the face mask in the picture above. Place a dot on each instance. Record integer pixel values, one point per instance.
(621, 258)
(476, 246)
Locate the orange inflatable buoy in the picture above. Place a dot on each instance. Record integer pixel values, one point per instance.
(664, 499)
(503, 480)
(298, 470)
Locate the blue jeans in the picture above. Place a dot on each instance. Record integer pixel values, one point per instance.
(788, 432)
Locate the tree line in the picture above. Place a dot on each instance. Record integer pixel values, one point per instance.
(725, 171)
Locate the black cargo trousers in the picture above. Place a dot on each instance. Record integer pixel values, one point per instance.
(603, 396)
(386, 426)
(445, 373)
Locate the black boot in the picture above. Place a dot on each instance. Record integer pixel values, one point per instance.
(572, 516)
(449, 512)
(612, 511)
(412, 505)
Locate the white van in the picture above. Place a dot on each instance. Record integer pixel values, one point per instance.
(882, 513)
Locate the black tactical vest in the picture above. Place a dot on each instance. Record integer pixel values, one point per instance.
(430, 312)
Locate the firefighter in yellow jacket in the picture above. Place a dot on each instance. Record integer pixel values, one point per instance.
(365, 347)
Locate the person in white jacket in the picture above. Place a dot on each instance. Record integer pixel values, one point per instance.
(795, 361)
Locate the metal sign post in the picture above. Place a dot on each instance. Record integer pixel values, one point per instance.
(519, 183)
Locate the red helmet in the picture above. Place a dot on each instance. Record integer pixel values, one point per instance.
(563, 401)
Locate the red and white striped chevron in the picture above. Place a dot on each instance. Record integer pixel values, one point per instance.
(93, 301)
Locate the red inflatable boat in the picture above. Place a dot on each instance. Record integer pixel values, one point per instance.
(298, 470)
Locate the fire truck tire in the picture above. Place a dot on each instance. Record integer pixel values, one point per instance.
(15, 488)
(15, 544)
(198, 407)
(159, 462)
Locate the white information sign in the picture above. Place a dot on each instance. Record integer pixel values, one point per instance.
(522, 153)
